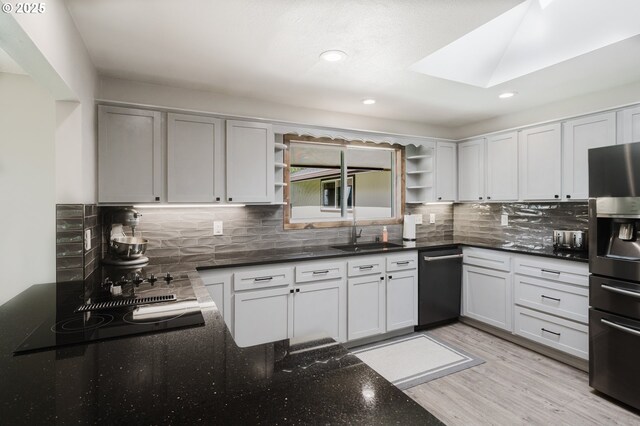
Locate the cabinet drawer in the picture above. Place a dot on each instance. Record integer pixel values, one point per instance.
(319, 271)
(252, 279)
(564, 300)
(565, 271)
(487, 259)
(365, 266)
(558, 333)
(401, 262)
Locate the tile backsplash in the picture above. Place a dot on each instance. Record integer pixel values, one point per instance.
(73, 262)
(186, 234)
(530, 225)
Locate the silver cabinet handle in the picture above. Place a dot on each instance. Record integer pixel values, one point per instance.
(620, 327)
(263, 279)
(320, 272)
(362, 268)
(619, 290)
(434, 258)
(405, 262)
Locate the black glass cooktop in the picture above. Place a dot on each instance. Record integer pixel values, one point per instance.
(118, 303)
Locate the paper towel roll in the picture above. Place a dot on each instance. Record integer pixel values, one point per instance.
(409, 228)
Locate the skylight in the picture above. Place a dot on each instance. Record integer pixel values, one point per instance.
(534, 35)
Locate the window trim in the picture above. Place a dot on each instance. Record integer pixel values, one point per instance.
(399, 190)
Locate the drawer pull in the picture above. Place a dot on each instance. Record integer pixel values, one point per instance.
(404, 262)
(320, 272)
(366, 267)
(550, 298)
(548, 271)
(620, 327)
(261, 279)
(619, 290)
(551, 332)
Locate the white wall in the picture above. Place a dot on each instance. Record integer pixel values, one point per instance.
(136, 92)
(56, 38)
(27, 185)
(579, 105)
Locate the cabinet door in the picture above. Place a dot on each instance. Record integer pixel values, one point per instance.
(631, 125)
(262, 316)
(471, 170)
(486, 296)
(366, 306)
(502, 167)
(194, 156)
(250, 162)
(402, 299)
(129, 157)
(579, 136)
(219, 287)
(540, 162)
(321, 309)
(446, 171)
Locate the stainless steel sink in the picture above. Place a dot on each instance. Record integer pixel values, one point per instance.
(365, 246)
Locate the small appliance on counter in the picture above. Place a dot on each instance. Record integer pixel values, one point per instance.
(121, 301)
(122, 249)
(409, 227)
(570, 240)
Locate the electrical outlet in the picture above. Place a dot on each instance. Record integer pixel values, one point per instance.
(504, 220)
(217, 227)
(418, 219)
(432, 218)
(87, 239)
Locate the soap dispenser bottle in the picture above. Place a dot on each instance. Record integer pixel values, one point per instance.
(385, 234)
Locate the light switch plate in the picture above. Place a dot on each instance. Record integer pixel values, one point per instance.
(418, 219)
(217, 227)
(432, 218)
(87, 239)
(504, 220)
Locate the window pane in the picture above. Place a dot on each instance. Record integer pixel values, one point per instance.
(314, 182)
(371, 171)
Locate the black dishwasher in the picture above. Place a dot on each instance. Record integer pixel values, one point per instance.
(439, 286)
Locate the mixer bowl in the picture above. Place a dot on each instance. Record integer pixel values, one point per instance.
(128, 248)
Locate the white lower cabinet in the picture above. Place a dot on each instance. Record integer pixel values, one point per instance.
(320, 308)
(263, 316)
(218, 284)
(402, 299)
(486, 296)
(366, 311)
(567, 336)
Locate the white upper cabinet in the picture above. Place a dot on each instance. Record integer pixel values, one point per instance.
(579, 136)
(194, 158)
(540, 163)
(631, 125)
(129, 155)
(250, 162)
(502, 167)
(471, 162)
(446, 171)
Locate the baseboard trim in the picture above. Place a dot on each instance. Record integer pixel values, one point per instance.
(565, 358)
(377, 337)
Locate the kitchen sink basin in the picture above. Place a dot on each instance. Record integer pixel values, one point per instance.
(366, 246)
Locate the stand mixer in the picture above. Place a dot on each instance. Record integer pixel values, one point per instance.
(122, 249)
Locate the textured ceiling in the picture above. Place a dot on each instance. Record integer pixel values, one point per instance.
(269, 50)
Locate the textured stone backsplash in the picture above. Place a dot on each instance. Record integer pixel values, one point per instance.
(530, 225)
(186, 234)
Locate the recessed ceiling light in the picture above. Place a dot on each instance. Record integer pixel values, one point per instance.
(333, 55)
(506, 95)
(369, 101)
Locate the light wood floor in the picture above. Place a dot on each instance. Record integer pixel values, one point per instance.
(515, 386)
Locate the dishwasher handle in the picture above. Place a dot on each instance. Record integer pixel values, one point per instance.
(436, 258)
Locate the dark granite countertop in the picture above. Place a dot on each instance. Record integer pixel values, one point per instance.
(262, 257)
(187, 376)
